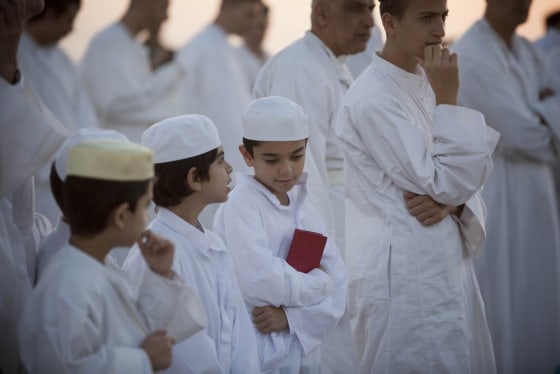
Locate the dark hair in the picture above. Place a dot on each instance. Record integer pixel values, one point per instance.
(250, 144)
(553, 19)
(396, 8)
(57, 7)
(88, 202)
(170, 187)
(56, 187)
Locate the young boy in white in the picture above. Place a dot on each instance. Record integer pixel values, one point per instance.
(191, 173)
(85, 317)
(293, 312)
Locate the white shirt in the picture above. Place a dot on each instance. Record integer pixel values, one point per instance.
(55, 80)
(128, 95)
(29, 135)
(203, 261)
(414, 301)
(251, 63)
(258, 230)
(84, 317)
(519, 272)
(549, 45)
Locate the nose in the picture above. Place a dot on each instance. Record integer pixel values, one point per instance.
(439, 28)
(368, 19)
(286, 168)
(229, 168)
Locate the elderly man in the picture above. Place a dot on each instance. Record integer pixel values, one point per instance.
(503, 76)
(29, 135)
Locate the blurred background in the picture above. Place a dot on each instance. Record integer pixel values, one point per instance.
(288, 20)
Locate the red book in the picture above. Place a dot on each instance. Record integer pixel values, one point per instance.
(306, 250)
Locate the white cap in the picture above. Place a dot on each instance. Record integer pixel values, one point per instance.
(274, 118)
(79, 137)
(110, 160)
(181, 137)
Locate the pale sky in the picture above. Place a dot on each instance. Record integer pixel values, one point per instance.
(289, 20)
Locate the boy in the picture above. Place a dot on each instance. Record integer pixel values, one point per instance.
(293, 312)
(191, 173)
(416, 162)
(86, 317)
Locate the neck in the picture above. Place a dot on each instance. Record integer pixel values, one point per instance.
(38, 33)
(97, 246)
(393, 55)
(504, 31)
(133, 21)
(189, 210)
(222, 21)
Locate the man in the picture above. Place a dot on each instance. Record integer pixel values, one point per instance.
(311, 72)
(251, 53)
(55, 80)
(504, 77)
(131, 93)
(214, 85)
(550, 45)
(29, 135)
(360, 61)
(415, 164)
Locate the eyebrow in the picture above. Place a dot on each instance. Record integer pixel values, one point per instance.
(221, 153)
(426, 13)
(276, 155)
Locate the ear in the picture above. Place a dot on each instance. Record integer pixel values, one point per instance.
(320, 11)
(246, 156)
(118, 215)
(192, 181)
(390, 24)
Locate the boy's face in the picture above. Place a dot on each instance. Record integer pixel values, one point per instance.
(422, 24)
(137, 220)
(277, 165)
(216, 189)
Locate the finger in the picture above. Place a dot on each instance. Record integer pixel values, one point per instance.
(159, 333)
(454, 60)
(428, 55)
(257, 311)
(418, 200)
(409, 195)
(171, 341)
(445, 56)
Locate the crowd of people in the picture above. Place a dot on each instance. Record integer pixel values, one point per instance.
(149, 197)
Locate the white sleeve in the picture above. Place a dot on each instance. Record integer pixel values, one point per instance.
(264, 279)
(472, 223)
(451, 173)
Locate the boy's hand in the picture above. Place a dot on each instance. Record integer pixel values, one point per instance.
(426, 210)
(442, 71)
(158, 347)
(269, 319)
(158, 253)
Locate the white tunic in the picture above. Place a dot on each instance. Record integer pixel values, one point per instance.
(29, 135)
(308, 73)
(549, 45)
(55, 80)
(250, 63)
(258, 231)
(84, 317)
(203, 261)
(519, 272)
(414, 300)
(360, 61)
(128, 95)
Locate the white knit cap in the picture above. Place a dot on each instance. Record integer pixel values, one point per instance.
(181, 137)
(79, 137)
(274, 118)
(111, 160)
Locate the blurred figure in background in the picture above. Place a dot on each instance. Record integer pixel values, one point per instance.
(215, 84)
(131, 85)
(550, 45)
(251, 53)
(55, 80)
(360, 61)
(503, 76)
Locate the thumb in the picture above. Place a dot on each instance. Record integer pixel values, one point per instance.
(161, 333)
(409, 195)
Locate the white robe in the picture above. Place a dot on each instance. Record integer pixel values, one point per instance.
(128, 95)
(250, 63)
(549, 45)
(519, 272)
(414, 300)
(308, 73)
(203, 261)
(29, 135)
(55, 80)
(84, 317)
(258, 231)
(360, 61)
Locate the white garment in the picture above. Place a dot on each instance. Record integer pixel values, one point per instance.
(414, 300)
(251, 64)
(308, 73)
(205, 264)
(360, 61)
(128, 95)
(56, 240)
(258, 230)
(29, 135)
(549, 45)
(519, 272)
(55, 80)
(84, 317)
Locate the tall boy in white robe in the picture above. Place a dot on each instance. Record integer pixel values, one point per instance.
(415, 162)
(191, 173)
(504, 76)
(293, 312)
(86, 317)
